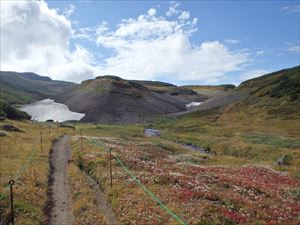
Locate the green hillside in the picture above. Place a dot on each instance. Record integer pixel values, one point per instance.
(261, 127)
(23, 88)
(276, 93)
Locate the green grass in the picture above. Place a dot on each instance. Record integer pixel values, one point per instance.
(271, 140)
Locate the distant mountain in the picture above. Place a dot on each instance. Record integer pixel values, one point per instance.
(277, 93)
(110, 99)
(211, 90)
(22, 88)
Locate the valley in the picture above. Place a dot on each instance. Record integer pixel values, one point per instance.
(165, 179)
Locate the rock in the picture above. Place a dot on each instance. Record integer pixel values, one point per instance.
(284, 160)
(151, 133)
(10, 127)
(4, 133)
(2, 118)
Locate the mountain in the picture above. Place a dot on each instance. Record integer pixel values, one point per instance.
(110, 99)
(22, 88)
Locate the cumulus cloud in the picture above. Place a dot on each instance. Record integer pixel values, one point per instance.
(173, 8)
(69, 10)
(36, 38)
(151, 12)
(150, 46)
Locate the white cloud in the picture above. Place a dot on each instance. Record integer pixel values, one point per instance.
(70, 9)
(291, 9)
(184, 15)
(151, 47)
(294, 49)
(151, 12)
(253, 73)
(173, 9)
(36, 38)
(231, 41)
(259, 52)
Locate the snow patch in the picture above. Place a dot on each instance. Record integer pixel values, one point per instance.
(192, 104)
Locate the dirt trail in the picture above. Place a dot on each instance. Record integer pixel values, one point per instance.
(59, 193)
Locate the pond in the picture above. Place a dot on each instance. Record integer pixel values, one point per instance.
(48, 109)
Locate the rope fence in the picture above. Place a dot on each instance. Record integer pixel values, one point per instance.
(19, 173)
(139, 183)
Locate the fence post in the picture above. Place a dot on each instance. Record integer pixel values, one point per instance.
(41, 142)
(12, 218)
(110, 168)
(81, 139)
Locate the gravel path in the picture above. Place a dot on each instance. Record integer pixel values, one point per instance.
(59, 193)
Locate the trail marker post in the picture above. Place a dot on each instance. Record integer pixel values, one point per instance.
(12, 216)
(49, 130)
(110, 167)
(74, 130)
(41, 142)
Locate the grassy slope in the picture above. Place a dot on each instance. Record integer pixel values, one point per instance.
(23, 88)
(19, 89)
(260, 128)
(30, 191)
(221, 189)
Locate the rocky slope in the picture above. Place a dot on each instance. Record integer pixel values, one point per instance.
(110, 99)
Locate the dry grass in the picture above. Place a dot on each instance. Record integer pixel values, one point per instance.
(85, 209)
(30, 191)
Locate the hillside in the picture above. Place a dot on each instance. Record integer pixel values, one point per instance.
(211, 90)
(110, 99)
(257, 121)
(22, 88)
(276, 93)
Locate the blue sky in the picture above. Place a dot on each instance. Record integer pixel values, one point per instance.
(183, 42)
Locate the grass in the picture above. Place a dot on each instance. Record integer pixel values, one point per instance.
(138, 152)
(84, 208)
(242, 136)
(15, 151)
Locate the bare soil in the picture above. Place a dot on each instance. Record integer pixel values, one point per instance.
(59, 192)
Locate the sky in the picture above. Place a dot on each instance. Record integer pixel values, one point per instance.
(181, 42)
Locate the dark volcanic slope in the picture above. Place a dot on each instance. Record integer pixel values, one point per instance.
(21, 88)
(110, 99)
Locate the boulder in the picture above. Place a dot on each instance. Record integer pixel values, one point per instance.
(4, 133)
(284, 160)
(10, 127)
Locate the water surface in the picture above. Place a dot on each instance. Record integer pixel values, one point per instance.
(48, 109)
